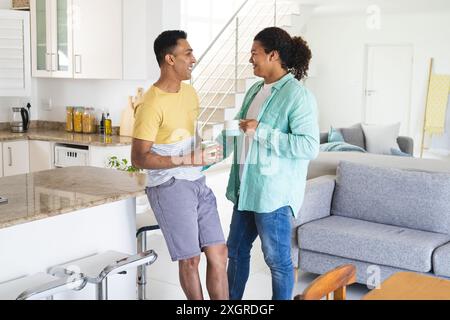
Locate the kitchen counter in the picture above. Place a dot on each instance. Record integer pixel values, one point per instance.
(56, 192)
(59, 216)
(66, 137)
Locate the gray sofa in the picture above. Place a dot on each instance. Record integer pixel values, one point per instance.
(326, 163)
(355, 135)
(379, 219)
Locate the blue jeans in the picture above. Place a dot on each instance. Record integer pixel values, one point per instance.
(274, 230)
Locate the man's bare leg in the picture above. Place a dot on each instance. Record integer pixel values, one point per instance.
(190, 279)
(216, 272)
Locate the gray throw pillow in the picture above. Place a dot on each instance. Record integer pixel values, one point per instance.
(354, 135)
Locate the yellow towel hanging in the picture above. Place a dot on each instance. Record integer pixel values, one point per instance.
(437, 104)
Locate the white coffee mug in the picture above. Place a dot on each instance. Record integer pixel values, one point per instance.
(232, 128)
(210, 145)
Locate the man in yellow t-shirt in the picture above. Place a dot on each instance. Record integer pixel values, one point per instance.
(164, 143)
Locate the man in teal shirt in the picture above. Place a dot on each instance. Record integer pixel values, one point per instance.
(268, 175)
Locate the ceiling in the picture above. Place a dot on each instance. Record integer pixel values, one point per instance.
(386, 6)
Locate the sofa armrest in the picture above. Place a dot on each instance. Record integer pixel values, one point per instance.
(316, 205)
(406, 145)
(317, 201)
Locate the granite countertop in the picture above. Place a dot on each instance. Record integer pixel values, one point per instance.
(40, 195)
(66, 137)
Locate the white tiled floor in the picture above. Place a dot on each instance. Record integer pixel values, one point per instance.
(163, 283)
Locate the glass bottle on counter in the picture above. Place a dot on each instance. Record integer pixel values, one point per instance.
(101, 128)
(69, 119)
(108, 125)
(78, 120)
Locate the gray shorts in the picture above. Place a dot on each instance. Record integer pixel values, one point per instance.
(186, 212)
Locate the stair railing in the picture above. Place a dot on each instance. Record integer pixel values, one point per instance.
(238, 39)
(232, 87)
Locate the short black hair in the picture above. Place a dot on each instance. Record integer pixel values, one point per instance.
(166, 43)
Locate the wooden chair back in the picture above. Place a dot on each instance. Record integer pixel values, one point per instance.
(334, 281)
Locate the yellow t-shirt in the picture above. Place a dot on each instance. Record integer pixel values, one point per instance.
(167, 118)
(169, 121)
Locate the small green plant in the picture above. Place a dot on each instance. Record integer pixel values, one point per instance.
(122, 165)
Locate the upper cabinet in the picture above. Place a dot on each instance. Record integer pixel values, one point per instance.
(97, 39)
(15, 74)
(79, 39)
(51, 38)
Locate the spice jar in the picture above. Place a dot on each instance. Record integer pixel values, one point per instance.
(88, 120)
(78, 120)
(93, 120)
(69, 119)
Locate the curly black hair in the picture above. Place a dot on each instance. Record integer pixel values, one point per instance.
(294, 52)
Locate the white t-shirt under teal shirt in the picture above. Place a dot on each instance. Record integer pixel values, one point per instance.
(252, 114)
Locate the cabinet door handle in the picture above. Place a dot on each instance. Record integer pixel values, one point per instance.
(54, 62)
(78, 64)
(10, 157)
(48, 62)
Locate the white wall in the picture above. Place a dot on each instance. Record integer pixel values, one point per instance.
(338, 48)
(5, 4)
(100, 94)
(203, 20)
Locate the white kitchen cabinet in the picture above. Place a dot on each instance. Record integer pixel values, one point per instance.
(79, 39)
(97, 39)
(1, 160)
(41, 155)
(90, 39)
(15, 66)
(98, 156)
(16, 159)
(51, 38)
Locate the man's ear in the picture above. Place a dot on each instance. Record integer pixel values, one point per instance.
(169, 59)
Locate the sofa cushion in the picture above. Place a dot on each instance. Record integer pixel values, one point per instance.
(354, 135)
(327, 162)
(441, 261)
(372, 242)
(381, 139)
(399, 153)
(366, 273)
(410, 199)
(335, 135)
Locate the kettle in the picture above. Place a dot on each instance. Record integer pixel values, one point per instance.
(20, 119)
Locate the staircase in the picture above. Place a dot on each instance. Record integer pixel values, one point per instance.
(223, 73)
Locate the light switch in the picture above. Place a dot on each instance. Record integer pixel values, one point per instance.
(47, 104)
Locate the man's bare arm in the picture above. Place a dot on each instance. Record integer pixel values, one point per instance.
(143, 158)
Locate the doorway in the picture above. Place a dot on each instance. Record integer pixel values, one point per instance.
(388, 81)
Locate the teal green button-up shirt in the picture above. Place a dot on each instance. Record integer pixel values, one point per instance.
(286, 139)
